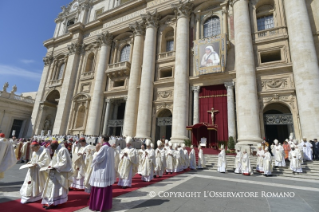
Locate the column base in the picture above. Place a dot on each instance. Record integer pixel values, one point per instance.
(249, 146)
(179, 139)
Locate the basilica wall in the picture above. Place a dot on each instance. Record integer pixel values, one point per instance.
(138, 67)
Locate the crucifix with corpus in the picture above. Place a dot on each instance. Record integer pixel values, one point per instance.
(212, 114)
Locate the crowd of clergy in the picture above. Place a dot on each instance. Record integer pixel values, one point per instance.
(275, 155)
(56, 166)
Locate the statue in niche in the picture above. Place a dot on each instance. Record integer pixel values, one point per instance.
(47, 125)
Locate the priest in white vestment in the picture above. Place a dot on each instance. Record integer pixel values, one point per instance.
(192, 158)
(222, 162)
(181, 153)
(59, 179)
(116, 160)
(201, 159)
(279, 154)
(128, 164)
(160, 159)
(245, 164)
(299, 149)
(177, 156)
(238, 162)
(141, 156)
(102, 177)
(267, 163)
(294, 158)
(90, 154)
(186, 157)
(7, 156)
(32, 188)
(79, 166)
(170, 159)
(148, 162)
(260, 159)
(307, 149)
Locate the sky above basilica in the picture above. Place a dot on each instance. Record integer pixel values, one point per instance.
(24, 26)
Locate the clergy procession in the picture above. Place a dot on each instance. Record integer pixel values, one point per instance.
(57, 166)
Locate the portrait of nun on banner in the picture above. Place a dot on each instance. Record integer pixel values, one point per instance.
(210, 55)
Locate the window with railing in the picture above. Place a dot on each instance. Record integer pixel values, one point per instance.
(212, 27)
(169, 45)
(125, 53)
(266, 22)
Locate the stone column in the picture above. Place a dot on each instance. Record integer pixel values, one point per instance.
(64, 106)
(248, 124)
(181, 77)
(85, 8)
(196, 90)
(231, 110)
(132, 96)
(144, 116)
(107, 116)
(305, 66)
(35, 112)
(96, 104)
(225, 20)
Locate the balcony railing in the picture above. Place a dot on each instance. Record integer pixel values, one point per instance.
(118, 69)
(116, 123)
(16, 97)
(269, 33)
(167, 55)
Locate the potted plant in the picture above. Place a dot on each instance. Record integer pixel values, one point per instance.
(231, 144)
(188, 143)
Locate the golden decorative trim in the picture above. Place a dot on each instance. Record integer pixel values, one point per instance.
(212, 96)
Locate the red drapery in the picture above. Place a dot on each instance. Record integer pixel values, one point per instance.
(214, 96)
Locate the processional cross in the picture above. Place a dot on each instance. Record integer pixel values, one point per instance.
(212, 114)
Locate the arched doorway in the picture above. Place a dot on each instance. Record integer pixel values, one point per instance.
(278, 122)
(49, 111)
(163, 125)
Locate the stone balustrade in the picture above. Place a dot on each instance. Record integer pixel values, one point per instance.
(16, 97)
(116, 123)
(270, 33)
(166, 56)
(118, 69)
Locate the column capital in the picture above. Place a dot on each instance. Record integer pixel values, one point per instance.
(151, 19)
(137, 28)
(109, 100)
(74, 48)
(183, 9)
(229, 85)
(125, 98)
(195, 88)
(47, 60)
(105, 38)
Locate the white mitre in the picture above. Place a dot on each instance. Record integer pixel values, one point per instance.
(183, 145)
(276, 141)
(148, 142)
(266, 148)
(170, 143)
(192, 146)
(166, 141)
(159, 143)
(128, 140)
(222, 146)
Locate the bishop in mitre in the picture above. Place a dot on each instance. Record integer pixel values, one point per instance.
(186, 157)
(201, 159)
(260, 159)
(160, 159)
(170, 158)
(141, 156)
(181, 153)
(79, 166)
(177, 156)
(238, 161)
(148, 162)
(7, 156)
(295, 158)
(221, 165)
(57, 184)
(32, 188)
(306, 149)
(279, 154)
(128, 164)
(267, 162)
(192, 158)
(245, 166)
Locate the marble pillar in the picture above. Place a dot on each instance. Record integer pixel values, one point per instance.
(35, 112)
(305, 66)
(96, 105)
(85, 8)
(132, 96)
(64, 106)
(144, 116)
(231, 110)
(196, 90)
(247, 104)
(107, 116)
(181, 77)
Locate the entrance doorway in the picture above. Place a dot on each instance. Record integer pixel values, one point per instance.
(278, 122)
(48, 116)
(16, 126)
(163, 125)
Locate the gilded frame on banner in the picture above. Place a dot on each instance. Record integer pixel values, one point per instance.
(210, 55)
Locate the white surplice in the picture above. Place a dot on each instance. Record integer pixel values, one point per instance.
(160, 161)
(177, 164)
(7, 156)
(88, 163)
(260, 161)
(295, 158)
(307, 150)
(186, 158)
(116, 161)
(170, 160)
(222, 163)
(237, 164)
(201, 159)
(279, 155)
(57, 185)
(192, 159)
(245, 164)
(141, 156)
(32, 188)
(127, 166)
(267, 164)
(79, 167)
(148, 165)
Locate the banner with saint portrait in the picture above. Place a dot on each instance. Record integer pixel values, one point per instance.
(210, 55)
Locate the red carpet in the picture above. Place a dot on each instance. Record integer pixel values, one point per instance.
(79, 199)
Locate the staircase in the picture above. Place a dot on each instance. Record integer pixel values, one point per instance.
(310, 168)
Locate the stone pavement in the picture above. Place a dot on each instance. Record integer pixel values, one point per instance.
(202, 190)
